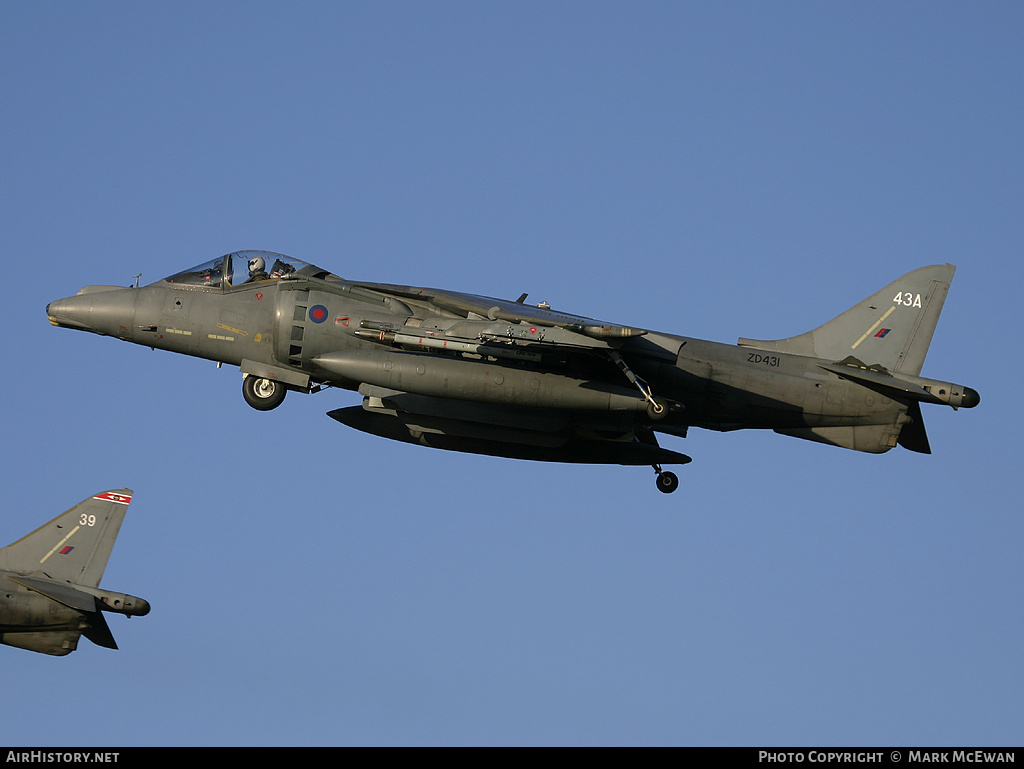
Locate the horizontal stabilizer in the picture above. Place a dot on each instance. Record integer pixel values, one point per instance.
(882, 381)
(60, 592)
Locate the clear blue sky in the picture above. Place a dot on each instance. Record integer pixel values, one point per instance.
(714, 169)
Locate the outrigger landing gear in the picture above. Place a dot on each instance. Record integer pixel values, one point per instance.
(657, 408)
(667, 481)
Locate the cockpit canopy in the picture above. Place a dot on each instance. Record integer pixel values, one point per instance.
(234, 270)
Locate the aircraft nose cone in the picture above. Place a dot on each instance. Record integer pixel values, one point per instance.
(971, 398)
(68, 313)
(100, 309)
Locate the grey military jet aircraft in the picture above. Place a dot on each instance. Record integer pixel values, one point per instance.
(468, 373)
(49, 580)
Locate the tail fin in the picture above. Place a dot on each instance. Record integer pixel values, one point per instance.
(892, 328)
(74, 546)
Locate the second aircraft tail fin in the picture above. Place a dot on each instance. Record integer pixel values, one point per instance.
(74, 546)
(892, 328)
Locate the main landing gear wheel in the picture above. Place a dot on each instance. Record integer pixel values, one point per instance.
(667, 481)
(263, 394)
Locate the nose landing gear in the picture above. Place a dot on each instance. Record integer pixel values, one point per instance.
(263, 394)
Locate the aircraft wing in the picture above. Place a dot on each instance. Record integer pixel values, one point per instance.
(482, 307)
(448, 321)
(451, 375)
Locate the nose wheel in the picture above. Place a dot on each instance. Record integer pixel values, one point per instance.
(667, 481)
(263, 394)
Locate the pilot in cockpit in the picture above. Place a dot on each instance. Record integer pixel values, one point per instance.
(257, 270)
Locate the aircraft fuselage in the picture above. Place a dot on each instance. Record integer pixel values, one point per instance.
(418, 351)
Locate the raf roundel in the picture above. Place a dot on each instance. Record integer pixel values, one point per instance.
(318, 313)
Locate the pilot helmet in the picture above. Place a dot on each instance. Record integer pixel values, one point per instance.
(257, 265)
